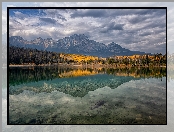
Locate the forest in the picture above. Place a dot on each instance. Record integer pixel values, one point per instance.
(24, 56)
(27, 56)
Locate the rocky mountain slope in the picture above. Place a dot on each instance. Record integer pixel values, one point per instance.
(76, 44)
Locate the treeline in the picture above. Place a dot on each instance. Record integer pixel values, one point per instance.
(22, 56)
(32, 56)
(25, 56)
(139, 60)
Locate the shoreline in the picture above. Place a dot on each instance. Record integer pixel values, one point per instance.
(85, 66)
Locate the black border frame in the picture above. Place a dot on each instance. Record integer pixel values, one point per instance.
(8, 8)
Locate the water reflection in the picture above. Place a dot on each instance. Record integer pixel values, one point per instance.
(52, 95)
(34, 74)
(135, 102)
(75, 82)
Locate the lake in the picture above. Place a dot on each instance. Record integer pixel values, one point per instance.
(53, 95)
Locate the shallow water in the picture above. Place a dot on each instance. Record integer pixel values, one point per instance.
(99, 98)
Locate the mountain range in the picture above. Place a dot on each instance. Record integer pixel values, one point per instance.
(75, 44)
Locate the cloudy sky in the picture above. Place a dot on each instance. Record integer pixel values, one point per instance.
(135, 29)
(143, 30)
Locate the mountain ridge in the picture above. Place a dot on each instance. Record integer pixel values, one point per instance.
(74, 44)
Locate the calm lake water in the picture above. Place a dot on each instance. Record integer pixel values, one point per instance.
(50, 95)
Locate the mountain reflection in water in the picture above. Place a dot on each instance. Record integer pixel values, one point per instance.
(75, 82)
(25, 75)
(52, 95)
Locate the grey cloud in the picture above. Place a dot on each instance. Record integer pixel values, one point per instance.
(155, 24)
(138, 12)
(145, 34)
(14, 24)
(55, 13)
(160, 30)
(20, 15)
(14, 21)
(107, 12)
(145, 11)
(104, 31)
(154, 12)
(11, 27)
(101, 13)
(127, 36)
(147, 16)
(129, 31)
(160, 12)
(17, 22)
(61, 17)
(89, 13)
(137, 19)
(112, 26)
(48, 20)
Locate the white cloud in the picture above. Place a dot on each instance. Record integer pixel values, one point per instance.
(160, 43)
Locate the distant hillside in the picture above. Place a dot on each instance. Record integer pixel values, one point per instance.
(75, 44)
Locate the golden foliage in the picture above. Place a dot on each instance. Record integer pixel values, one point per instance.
(78, 58)
(76, 73)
